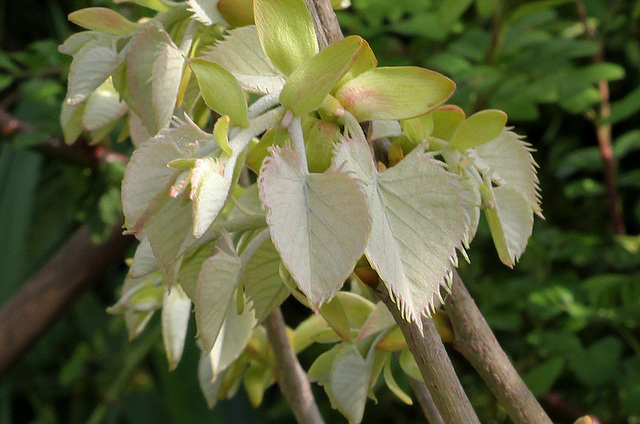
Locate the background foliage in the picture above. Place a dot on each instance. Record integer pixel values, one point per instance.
(568, 314)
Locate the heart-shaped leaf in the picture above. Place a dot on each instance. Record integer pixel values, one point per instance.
(319, 223)
(394, 93)
(418, 222)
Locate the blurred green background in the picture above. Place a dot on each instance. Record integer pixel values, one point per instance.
(567, 315)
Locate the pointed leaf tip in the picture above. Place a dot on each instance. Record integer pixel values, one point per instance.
(286, 32)
(394, 93)
(104, 20)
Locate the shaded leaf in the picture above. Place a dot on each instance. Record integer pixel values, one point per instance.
(176, 310)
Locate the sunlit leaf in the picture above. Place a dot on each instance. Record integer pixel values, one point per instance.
(417, 224)
(220, 91)
(446, 120)
(319, 223)
(206, 11)
(209, 190)
(176, 310)
(394, 93)
(286, 32)
(91, 66)
(103, 107)
(478, 129)
(103, 19)
(309, 84)
(241, 54)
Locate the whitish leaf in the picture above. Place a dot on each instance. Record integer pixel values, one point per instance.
(241, 54)
(103, 107)
(220, 91)
(176, 309)
(510, 222)
(190, 268)
(310, 83)
(206, 11)
(394, 93)
(71, 121)
(143, 262)
(471, 200)
(232, 339)
(137, 131)
(103, 19)
(507, 161)
(320, 370)
(140, 298)
(209, 191)
(209, 384)
(478, 129)
(154, 71)
(319, 223)
(148, 175)
(286, 32)
(217, 286)
(76, 41)
(349, 382)
(417, 224)
(262, 280)
(91, 66)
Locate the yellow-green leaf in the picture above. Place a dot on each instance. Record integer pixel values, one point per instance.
(286, 32)
(103, 19)
(220, 91)
(394, 93)
(237, 12)
(364, 61)
(446, 120)
(478, 129)
(309, 84)
(273, 137)
(335, 315)
(221, 134)
(392, 385)
(320, 143)
(418, 128)
(392, 341)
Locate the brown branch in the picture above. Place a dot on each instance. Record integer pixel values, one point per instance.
(50, 292)
(425, 400)
(434, 364)
(292, 379)
(476, 342)
(80, 153)
(603, 131)
(325, 22)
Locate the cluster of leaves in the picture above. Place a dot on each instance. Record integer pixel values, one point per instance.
(571, 304)
(328, 202)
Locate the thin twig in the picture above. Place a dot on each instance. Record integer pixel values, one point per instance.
(426, 401)
(434, 364)
(475, 340)
(291, 377)
(603, 130)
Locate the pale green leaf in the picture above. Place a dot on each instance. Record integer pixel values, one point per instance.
(154, 71)
(143, 261)
(237, 12)
(190, 268)
(103, 107)
(262, 280)
(446, 120)
(472, 201)
(417, 224)
(137, 131)
(91, 66)
(104, 20)
(209, 385)
(478, 129)
(221, 134)
(392, 385)
(335, 315)
(320, 370)
(507, 160)
(206, 12)
(76, 41)
(286, 32)
(158, 5)
(209, 190)
(71, 121)
(349, 382)
(310, 83)
(217, 285)
(409, 365)
(394, 93)
(176, 310)
(365, 60)
(255, 380)
(379, 320)
(233, 337)
(306, 333)
(220, 91)
(241, 54)
(356, 307)
(319, 223)
(419, 128)
(510, 222)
